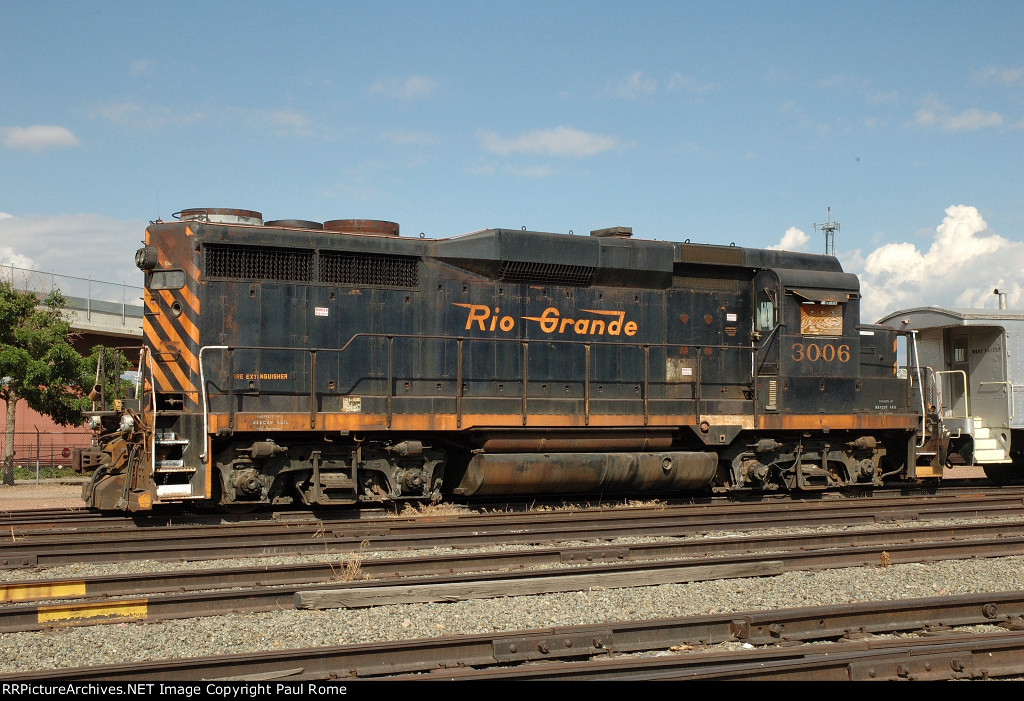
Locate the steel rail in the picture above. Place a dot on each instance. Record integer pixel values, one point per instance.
(22, 591)
(233, 541)
(948, 657)
(423, 579)
(82, 519)
(441, 655)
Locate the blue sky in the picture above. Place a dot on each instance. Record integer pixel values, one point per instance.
(721, 122)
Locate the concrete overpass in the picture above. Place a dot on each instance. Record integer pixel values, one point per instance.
(99, 322)
(101, 313)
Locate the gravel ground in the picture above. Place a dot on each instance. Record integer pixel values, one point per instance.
(295, 629)
(47, 494)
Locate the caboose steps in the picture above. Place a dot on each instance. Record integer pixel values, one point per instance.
(987, 449)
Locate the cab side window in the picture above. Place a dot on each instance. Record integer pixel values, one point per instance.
(764, 315)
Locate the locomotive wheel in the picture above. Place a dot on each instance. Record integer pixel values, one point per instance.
(238, 509)
(1004, 474)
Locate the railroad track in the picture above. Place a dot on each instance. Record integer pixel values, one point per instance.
(31, 548)
(426, 578)
(83, 519)
(56, 603)
(671, 648)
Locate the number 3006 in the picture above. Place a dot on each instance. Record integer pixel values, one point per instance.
(812, 352)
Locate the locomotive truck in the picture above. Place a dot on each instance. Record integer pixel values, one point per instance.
(339, 363)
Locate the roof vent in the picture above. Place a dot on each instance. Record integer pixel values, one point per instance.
(215, 215)
(362, 226)
(621, 232)
(295, 224)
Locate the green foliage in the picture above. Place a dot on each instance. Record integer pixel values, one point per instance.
(101, 368)
(45, 472)
(37, 362)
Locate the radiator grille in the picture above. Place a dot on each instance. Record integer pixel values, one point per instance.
(259, 263)
(546, 273)
(363, 269)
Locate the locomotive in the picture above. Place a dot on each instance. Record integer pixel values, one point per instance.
(339, 363)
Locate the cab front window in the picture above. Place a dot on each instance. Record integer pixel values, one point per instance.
(821, 319)
(165, 280)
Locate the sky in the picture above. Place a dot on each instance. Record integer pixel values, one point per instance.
(730, 122)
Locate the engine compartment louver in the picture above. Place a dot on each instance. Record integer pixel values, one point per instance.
(362, 269)
(259, 263)
(545, 273)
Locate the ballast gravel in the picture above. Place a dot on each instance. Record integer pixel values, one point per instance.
(218, 635)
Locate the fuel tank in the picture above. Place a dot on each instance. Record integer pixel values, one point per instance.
(582, 473)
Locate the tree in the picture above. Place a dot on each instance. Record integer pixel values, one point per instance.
(37, 363)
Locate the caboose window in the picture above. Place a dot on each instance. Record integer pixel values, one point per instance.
(821, 319)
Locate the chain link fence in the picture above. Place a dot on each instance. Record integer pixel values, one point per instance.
(37, 451)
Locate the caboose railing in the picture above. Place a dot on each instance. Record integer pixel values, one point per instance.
(588, 348)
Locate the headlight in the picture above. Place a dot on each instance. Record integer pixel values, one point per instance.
(127, 423)
(146, 258)
(95, 423)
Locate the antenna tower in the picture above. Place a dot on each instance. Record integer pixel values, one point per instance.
(830, 228)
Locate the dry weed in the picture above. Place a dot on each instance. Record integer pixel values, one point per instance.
(350, 568)
(410, 509)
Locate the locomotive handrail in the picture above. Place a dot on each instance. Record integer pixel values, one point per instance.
(967, 398)
(147, 352)
(202, 396)
(459, 340)
(920, 387)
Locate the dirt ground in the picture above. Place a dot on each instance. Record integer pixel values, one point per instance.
(46, 495)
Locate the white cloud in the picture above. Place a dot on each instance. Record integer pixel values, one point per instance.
(38, 137)
(636, 86)
(899, 275)
(678, 81)
(560, 141)
(77, 245)
(793, 240)
(639, 85)
(1005, 76)
(136, 116)
(416, 86)
(9, 257)
(936, 113)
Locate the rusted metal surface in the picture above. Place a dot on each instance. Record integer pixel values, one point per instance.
(362, 226)
(532, 473)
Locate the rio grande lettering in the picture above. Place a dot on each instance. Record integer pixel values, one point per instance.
(607, 323)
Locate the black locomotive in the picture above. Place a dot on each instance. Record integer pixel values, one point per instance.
(338, 363)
